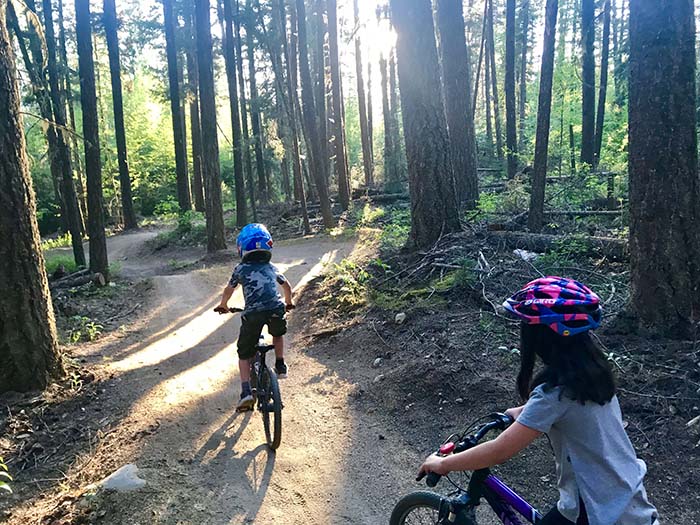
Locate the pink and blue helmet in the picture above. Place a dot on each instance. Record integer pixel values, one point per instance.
(564, 305)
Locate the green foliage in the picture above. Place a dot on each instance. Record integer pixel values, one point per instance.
(58, 242)
(83, 329)
(167, 209)
(190, 231)
(352, 281)
(396, 229)
(566, 252)
(4, 477)
(54, 261)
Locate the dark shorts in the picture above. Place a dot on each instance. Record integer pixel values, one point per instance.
(251, 328)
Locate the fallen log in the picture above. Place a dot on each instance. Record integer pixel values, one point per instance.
(71, 281)
(387, 198)
(613, 249)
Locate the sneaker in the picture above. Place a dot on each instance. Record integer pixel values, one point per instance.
(281, 370)
(246, 403)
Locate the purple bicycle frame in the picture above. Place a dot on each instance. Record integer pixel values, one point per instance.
(506, 500)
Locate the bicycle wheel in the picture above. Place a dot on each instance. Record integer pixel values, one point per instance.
(426, 508)
(271, 406)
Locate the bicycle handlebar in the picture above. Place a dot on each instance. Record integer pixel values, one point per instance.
(499, 421)
(235, 310)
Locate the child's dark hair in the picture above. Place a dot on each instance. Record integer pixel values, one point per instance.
(575, 363)
(258, 256)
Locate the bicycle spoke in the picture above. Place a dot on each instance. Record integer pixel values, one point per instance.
(422, 516)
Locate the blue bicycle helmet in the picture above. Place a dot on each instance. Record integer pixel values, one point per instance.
(254, 238)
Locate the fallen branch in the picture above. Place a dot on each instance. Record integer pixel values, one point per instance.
(70, 282)
(613, 249)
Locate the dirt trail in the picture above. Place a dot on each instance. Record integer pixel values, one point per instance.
(175, 383)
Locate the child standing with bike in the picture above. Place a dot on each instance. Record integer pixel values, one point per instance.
(572, 400)
(263, 304)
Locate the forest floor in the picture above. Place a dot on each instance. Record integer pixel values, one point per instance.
(366, 399)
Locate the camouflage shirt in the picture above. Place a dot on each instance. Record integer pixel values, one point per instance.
(259, 282)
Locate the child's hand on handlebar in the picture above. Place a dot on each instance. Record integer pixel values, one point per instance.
(222, 309)
(289, 306)
(513, 413)
(433, 463)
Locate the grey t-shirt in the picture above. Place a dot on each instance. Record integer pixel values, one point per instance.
(594, 457)
(259, 282)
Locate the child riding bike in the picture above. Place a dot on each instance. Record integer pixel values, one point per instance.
(572, 400)
(263, 304)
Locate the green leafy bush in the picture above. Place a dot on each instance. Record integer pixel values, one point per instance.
(83, 329)
(53, 262)
(4, 477)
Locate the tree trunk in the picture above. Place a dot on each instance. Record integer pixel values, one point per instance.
(210, 143)
(482, 47)
(62, 148)
(320, 74)
(367, 160)
(29, 353)
(572, 149)
(456, 80)
(195, 124)
(338, 115)
(434, 210)
(292, 113)
(524, 43)
(318, 163)
(68, 92)
(110, 24)
(91, 136)
(392, 183)
(40, 90)
(603, 84)
(230, 58)
(663, 167)
(247, 156)
(263, 190)
(394, 107)
(544, 109)
(588, 78)
(511, 124)
(183, 185)
(370, 116)
(494, 84)
(487, 105)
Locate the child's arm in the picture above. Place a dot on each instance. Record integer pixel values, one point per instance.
(225, 296)
(287, 289)
(494, 452)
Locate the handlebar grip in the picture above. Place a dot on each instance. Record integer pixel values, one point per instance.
(433, 479)
(421, 476)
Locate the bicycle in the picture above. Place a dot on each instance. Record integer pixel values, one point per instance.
(266, 391)
(458, 508)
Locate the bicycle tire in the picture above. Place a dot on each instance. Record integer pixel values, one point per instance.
(426, 501)
(271, 405)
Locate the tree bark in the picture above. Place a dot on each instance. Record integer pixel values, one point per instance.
(367, 161)
(322, 109)
(524, 43)
(318, 163)
(247, 156)
(226, 21)
(602, 93)
(338, 114)
(511, 124)
(68, 92)
(370, 116)
(29, 353)
(62, 148)
(392, 183)
(110, 24)
(394, 107)
(456, 80)
(487, 105)
(183, 185)
(195, 123)
(544, 109)
(210, 144)
(494, 84)
(663, 167)
(434, 210)
(91, 136)
(588, 81)
(292, 113)
(263, 190)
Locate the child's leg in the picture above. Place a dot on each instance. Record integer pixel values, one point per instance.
(278, 341)
(244, 368)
